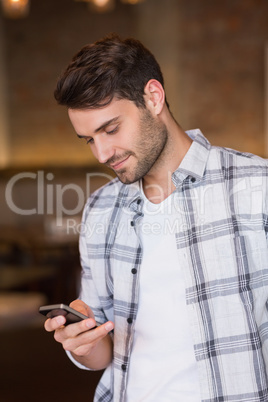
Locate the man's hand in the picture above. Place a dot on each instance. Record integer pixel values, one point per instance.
(90, 347)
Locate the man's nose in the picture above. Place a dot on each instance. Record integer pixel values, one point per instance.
(103, 150)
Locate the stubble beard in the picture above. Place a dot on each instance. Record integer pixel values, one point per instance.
(152, 140)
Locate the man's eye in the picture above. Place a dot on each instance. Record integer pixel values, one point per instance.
(89, 141)
(112, 130)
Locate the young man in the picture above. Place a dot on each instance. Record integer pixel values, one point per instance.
(173, 251)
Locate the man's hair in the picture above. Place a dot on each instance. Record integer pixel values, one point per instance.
(111, 67)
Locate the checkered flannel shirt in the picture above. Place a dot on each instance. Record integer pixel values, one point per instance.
(221, 236)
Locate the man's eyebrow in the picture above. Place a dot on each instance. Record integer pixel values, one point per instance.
(100, 128)
(107, 123)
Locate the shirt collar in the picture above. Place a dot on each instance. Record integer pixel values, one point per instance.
(133, 196)
(195, 160)
(193, 164)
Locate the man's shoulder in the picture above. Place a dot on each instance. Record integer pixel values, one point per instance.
(231, 157)
(106, 193)
(114, 185)
(109, 196)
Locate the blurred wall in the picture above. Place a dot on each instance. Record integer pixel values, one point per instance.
(37, 49)
(222, 66)
(212, 55)
(4, 119)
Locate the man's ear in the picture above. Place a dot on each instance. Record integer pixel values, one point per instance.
(154, 96)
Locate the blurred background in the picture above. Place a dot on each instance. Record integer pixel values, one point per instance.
(214, 56)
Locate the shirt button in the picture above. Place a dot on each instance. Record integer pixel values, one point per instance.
(138, 201)
(132, 223)
(193, 179)
(129, 320)
(124, 367)
(134, 271)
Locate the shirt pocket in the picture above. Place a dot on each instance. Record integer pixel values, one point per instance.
(247, 283)
(233, 267)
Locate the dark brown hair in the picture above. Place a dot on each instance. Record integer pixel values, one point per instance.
(111, 67)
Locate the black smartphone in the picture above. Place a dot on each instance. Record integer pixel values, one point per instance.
(71, 315)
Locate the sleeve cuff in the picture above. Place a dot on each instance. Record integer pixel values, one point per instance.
(76, 363)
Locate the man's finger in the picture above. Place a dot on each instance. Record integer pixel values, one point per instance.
(51, 324)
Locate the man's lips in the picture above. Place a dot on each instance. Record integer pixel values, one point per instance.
(119, 164)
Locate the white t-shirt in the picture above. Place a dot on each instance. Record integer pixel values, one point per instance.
(162, 364)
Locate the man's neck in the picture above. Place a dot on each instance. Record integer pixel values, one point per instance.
(157, 184)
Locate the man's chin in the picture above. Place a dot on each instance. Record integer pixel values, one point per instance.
(124, 178)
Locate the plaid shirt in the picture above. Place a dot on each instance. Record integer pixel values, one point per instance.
(221, 236)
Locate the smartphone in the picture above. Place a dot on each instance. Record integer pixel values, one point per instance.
(71, 315)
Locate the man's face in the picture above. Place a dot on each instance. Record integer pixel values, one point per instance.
(127, 139)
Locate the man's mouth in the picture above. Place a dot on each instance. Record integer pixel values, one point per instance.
(119, 164)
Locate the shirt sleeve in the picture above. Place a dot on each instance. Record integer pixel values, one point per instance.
(79, 365)
(88, 292)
